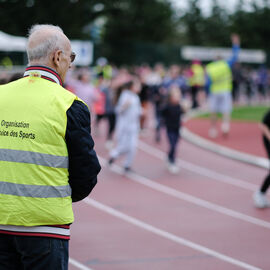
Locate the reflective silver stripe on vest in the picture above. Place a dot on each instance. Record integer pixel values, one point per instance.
(35, 191)
(34, 158)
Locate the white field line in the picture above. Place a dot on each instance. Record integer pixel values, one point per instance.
(198, 169)
(186, 197)
(78, 265)
(167, 235)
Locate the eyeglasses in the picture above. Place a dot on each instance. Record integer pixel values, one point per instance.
(72, 56)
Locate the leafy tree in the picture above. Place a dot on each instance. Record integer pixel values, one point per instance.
(72, 15)
(128, 23)
(216, 27)
(252, 25)
(133, 23)
(193, 22)
(135, 30)
(201, 30)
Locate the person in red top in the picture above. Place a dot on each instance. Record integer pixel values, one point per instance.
(100, 102)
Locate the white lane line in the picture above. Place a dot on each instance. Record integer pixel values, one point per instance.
(186, 197)
(198, 169)
(78, 265)
(168, 235)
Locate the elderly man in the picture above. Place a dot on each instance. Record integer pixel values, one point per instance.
(47, 160)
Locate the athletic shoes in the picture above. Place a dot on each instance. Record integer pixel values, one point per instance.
(260, 200)
(110, 161)
(127, 170)
(225, 128)
(172, 168)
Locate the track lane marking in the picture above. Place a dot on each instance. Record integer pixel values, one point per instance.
(168, 235)
(78, 264)
(186, 197)
(197, 169)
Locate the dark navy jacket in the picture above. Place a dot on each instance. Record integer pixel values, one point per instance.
(83, 162)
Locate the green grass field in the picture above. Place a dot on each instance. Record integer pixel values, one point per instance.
(247, 113)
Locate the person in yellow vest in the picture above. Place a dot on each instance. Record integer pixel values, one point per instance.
(47, 157)
(196, 81)
(219, 77)
(104, 67)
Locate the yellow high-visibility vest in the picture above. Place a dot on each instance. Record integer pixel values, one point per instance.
(34, 188)
(198, 77)
(220, 75)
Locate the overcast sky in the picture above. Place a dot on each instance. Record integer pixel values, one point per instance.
(206, 4)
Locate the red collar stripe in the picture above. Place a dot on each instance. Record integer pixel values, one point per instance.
(46, 69)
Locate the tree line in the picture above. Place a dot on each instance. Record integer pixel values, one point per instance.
(128, 31)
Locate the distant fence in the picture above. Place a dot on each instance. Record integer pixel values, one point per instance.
(138, 53)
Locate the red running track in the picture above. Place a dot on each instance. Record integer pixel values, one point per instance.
(245, 137)
(202, 218)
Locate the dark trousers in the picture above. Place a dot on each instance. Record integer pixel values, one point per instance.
(111, 120)
(266, 182)
(194, 93)
(173, 137)
(99, 117)
(33, 253)
(235, 90)
(111, 123)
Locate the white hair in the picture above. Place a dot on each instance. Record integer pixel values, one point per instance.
(46, 45)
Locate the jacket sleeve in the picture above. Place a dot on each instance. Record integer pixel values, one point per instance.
(83, 162)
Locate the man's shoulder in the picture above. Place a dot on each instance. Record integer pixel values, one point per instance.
(12, 84)
(60, 90)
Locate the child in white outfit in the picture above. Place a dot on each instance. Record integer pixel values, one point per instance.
(128, 111)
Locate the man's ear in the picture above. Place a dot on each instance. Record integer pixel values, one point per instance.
(56, 58)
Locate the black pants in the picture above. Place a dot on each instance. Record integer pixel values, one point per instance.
(111, 122)
(266, 182)
(173, 137)
(33, 253)
(159, 122)
(235, 91)
(194, 93)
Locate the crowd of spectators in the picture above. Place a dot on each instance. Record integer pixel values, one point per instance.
(250, 84)
(97, 86)
(100, 88)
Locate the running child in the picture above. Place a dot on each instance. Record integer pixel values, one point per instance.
(128, 111)
(172, 113)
